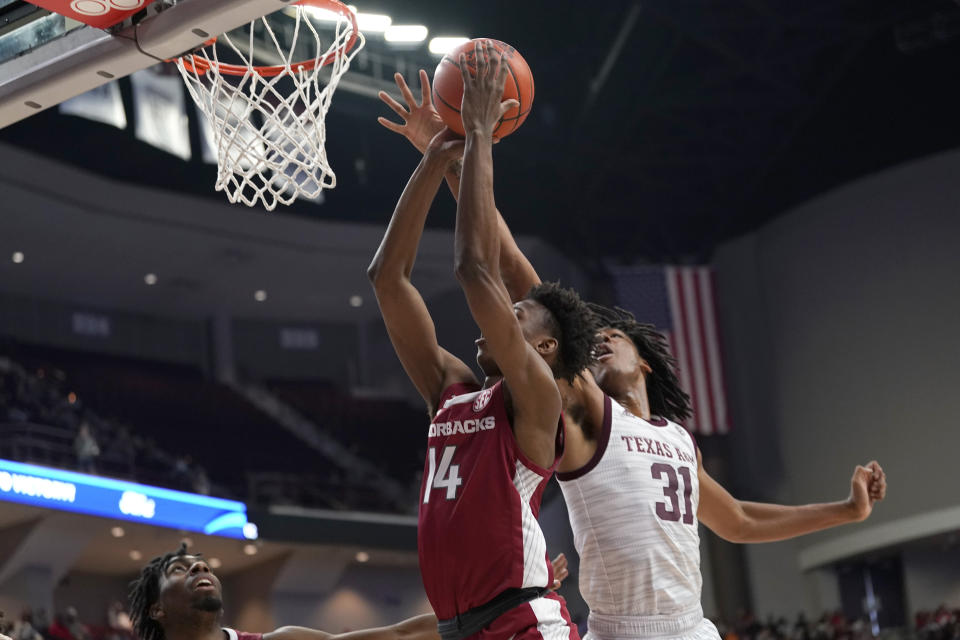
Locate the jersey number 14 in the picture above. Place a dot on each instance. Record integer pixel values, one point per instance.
(445, 476)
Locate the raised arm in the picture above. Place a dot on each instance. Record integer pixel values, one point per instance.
(533, 390)
(420, 123)
(738, 521)
(419, 628)
(430, 367)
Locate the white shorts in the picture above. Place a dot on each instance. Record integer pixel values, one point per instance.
(692, 626)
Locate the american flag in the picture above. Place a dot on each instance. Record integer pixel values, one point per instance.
(680, 302)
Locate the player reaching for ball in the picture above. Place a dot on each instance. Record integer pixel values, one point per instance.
(491, 447)
(633, 521)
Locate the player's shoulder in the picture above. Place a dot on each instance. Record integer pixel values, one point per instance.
(461, 393)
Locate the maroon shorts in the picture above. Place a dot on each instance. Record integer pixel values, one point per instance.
(544, 618)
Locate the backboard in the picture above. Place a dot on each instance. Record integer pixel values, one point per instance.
(46, 58)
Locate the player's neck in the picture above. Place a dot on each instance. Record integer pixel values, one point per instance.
(197, 625)
(489, 381)
(634, 399)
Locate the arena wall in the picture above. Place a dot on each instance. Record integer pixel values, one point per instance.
(840, 326)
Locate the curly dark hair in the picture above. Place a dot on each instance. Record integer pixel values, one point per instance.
(572, 323)
(667, 398)
(144, 592)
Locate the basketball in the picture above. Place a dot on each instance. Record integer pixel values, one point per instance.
(448, 87)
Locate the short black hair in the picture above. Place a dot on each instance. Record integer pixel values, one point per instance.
(144, 592)
(667, 397)
(573, 325)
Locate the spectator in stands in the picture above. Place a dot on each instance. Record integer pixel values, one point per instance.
(118, 618)
(78, 630)
(86, 448)
(24, 629)
(118, 622)
(59, 629)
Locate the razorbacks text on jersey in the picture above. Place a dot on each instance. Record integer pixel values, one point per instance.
(478, 533)
(633, 511)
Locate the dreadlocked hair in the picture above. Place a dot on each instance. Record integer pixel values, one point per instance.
(144, 592)
(573, 325)
(667, 398)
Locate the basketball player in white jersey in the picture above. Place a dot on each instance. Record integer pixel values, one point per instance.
(633, 478)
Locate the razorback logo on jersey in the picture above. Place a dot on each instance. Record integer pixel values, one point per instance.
(482, 400)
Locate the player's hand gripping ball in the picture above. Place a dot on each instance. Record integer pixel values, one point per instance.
(448, 87)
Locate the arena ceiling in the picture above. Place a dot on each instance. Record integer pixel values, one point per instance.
(659, 129)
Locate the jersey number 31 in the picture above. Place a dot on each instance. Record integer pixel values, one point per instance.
(446, 476)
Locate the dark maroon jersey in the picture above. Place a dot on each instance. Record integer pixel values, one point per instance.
(478, 533)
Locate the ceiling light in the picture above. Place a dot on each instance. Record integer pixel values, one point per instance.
(442, 45)
(135, 555)
(17, 257)
(150, 279)
(356, 301)
(405, 33)
(374, 22)
(318, 14)
(362, 556)
(117, 532)
(250, 531)
(260, 295)
(250, 549)
(214, 563)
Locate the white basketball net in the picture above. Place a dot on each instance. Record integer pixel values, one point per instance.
(270, 143)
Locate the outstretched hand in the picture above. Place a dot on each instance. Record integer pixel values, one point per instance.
(868, 486)
(482, 107)
(560, 571)
(421, 122)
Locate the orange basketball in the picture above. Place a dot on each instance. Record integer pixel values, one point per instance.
(448, 87)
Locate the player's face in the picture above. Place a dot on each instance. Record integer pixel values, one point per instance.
(187, 584)
(616, 361)
(529, 314)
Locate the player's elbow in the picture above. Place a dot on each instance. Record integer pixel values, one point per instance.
(739, 530)
(375, 271)
(384, 276)
(471, 268)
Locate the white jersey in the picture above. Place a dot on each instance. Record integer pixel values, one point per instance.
(633, 511)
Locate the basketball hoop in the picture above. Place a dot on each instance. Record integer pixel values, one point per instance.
(270, 138)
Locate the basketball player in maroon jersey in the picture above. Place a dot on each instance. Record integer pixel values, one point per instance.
(178, 597)
(491, 447)
(627, 375)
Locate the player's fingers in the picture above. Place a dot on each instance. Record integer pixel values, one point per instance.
(425, 94)
(480, 60)
(506, 105)
(405, 90)
(402, 85)
(502, 70)
(488, 60)
(393, 104)
(390, 124)
(464, 71)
